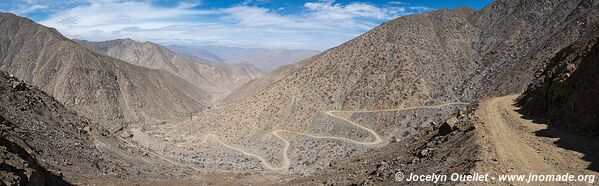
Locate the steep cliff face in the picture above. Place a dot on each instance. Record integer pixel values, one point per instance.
(210, 76)
(104, 89)
(567, 92)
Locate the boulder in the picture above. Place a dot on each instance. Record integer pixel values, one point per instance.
(448, 126)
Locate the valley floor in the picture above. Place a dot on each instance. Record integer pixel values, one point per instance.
(501, 140)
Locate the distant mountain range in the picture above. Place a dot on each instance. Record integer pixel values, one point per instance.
(264, 59)
(104, 89)
(213, 77)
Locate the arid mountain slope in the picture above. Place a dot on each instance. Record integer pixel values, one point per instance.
(443, 56)
(383, 69)
(264, 59)
(402, 77)
(262, 83)
(102, 88)
(566, 92)
(396, 65)
(211, 76)
(40, 131)
(42, 142)
(517, 38)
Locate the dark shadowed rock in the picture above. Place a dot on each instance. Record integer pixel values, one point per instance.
(566, 93)
(448, 126)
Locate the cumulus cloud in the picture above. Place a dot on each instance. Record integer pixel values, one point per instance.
(320, 25)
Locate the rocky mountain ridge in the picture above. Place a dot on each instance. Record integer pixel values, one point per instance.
(104, 89)
(459, 55)
(206, 75)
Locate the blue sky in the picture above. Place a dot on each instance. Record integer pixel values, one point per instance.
(305, 24)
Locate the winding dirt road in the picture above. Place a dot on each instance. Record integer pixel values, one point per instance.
(514, 144)
(286, 163)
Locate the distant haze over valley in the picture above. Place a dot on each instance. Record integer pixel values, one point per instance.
(262, 58)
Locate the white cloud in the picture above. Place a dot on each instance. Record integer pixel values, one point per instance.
(322, 25)
(397, 3)
(254, 16)
(29, 9)
(25, 7)
(328, 10)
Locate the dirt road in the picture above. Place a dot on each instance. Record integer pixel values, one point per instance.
(514, 144)
(285, 164)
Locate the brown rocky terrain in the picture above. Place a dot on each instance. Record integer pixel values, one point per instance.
(44, 143)
(517, 39)
(566, 91)
(428, 151)
(106, 90)
(434, 58)
(262, 83)
(492, 137)
(209, 76)
(410, 95)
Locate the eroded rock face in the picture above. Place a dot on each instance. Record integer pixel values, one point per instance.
(567, 92)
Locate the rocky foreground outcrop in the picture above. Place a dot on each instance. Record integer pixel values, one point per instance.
(42, 142)
(567, 92)
(38, 133)
(18, 166)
